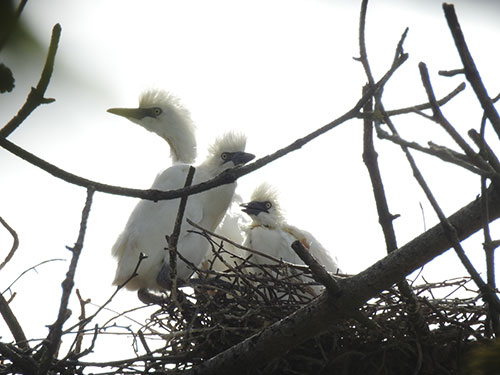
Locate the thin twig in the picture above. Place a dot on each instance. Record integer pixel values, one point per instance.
(260, 253)
(32, 268)
(440, 152)
(15, 242)
(439, 118)
(51, 343)
(36, 96)
(174, 238)
(420, 107)
(103, 306)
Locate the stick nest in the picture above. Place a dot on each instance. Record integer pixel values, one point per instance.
(428, 334)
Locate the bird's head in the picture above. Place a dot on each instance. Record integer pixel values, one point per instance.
(162, 113)
(264, 208)
(228, 151)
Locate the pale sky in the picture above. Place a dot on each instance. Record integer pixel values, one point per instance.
(275, 70)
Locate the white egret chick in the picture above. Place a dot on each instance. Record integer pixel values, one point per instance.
(162, 113)
(151, 222)
(269, 232)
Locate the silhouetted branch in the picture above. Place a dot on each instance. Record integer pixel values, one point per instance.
(227, 177)
(420, 107)
(174, 238)
(36, 95)
(440, 152)
(370, 157)
(323, 312)
(15, 242)
(319, 273)
(471, 72)
(13, 324)
(439, 118)
(51, 343)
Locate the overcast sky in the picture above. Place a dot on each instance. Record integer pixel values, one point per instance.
(275, 70)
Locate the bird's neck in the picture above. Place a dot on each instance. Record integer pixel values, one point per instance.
(182, 149)
(181, 139)
(260, 225)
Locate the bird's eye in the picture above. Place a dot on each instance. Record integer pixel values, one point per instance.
(268, 205)
(157, 111)
(223, 156)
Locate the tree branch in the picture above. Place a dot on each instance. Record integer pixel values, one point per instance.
(15, 242)
(471, 72)
(53, 339)
(323, 312)
(13, 323)
(227, 177)
(36, 95)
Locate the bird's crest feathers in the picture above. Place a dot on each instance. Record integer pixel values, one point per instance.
(229, 142)
(266, 192)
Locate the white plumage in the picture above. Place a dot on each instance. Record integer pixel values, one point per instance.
(150, 221)
(162, 113)
(271, 234)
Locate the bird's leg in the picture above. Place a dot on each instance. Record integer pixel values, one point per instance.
(163, 278)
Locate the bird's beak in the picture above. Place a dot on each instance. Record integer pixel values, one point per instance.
(130, 113)
(240, 157)
(254, 208)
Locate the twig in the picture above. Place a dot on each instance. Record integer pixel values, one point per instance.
(118, 288)
(174, 238)
(471, 72)
(451, 73)
(486, 151)
(320, 314)
(439, 118)
(13, 324)
(420, 107)
(320, 274)
(53, 339)
(440, 152)
(260, 253)
(36, 96)
(30, 269)
(15, 242)
(226, 177)
(82, 317)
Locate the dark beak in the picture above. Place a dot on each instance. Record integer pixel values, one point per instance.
(254, 208)
(130, 113)
(240, 157)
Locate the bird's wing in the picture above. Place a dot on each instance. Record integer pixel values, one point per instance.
(314, 246)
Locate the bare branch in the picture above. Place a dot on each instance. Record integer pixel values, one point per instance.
(171, 280)
(324, 311)
(13, 323)
(320, 274)
(471, 72)
(15, 242)
(420, 107)
(36, 96)
(227, 177)
(52, 341)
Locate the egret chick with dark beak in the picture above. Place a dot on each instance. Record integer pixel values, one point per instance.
(271, 234)
(151, 222)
